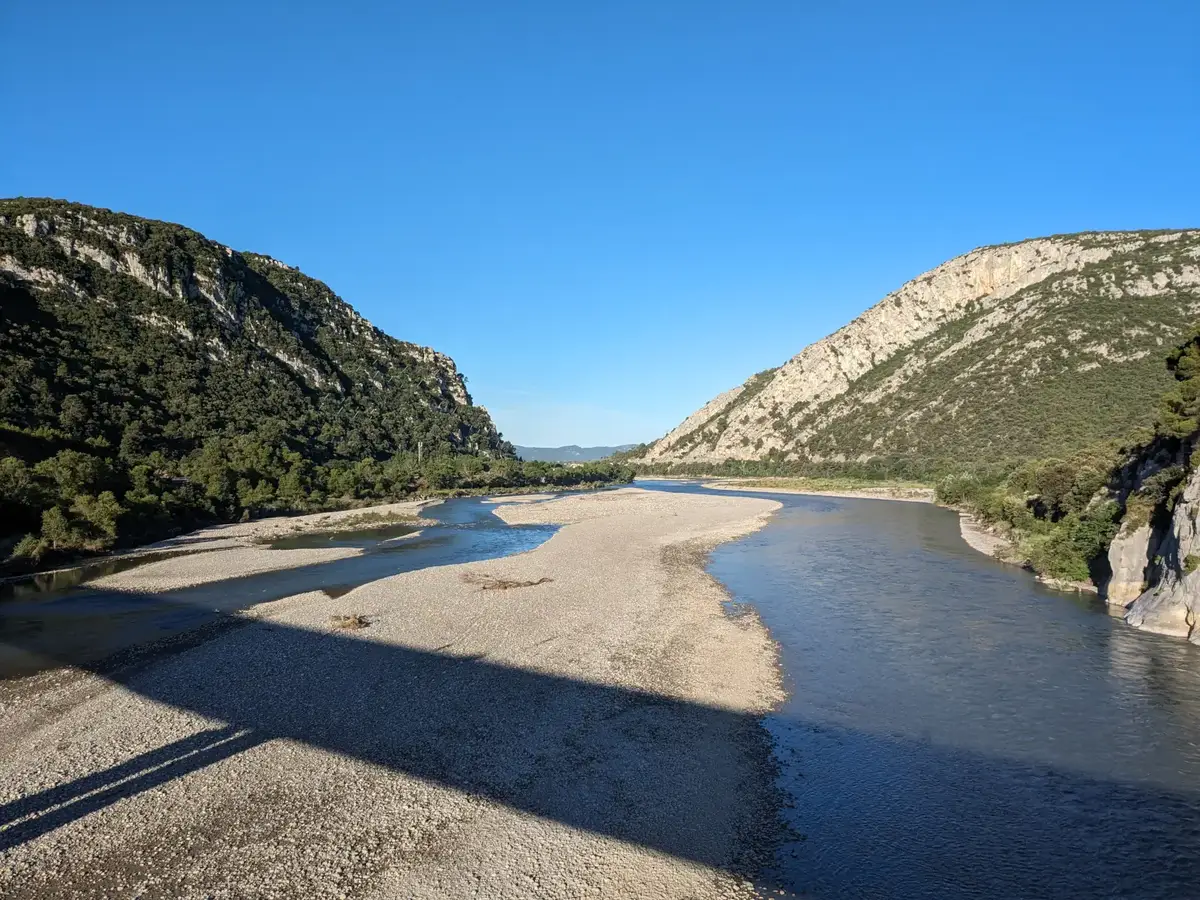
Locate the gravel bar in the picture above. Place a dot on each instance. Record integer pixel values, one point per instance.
(581, 720)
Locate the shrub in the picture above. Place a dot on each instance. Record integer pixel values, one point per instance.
(29, 547)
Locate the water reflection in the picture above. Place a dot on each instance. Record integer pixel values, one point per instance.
(360, 538)
(30, 586)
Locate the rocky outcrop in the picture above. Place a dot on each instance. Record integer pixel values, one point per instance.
(1172, 604)
(950, 347)
(1129, 558)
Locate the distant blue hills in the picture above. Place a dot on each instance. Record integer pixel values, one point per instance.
(570, 453)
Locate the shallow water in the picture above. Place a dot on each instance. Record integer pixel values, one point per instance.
(46, 623)
(955, 729)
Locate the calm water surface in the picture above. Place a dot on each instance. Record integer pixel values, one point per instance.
(953, 728)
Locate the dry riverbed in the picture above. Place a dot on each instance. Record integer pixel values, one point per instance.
(577, 721)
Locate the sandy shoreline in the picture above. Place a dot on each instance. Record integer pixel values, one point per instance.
(980, 538)
(243, 548)
(902, 495)
(592, 734)
(239, 535)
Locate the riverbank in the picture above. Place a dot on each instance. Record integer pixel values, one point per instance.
(902, 491)
(581, 719)
(226, 536)
(1001, 548)
(979, 537)
(267, 529)
(245, 548)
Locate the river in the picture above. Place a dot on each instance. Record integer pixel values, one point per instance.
(954, 728)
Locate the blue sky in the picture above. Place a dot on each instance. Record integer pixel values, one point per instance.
(607, 213)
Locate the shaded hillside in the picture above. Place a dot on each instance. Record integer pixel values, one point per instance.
(1010, 352)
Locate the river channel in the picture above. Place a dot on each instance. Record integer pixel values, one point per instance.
(955, 729)
(55, 620)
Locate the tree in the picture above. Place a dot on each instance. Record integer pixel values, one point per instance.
(101, 512)
(73, 416)
(74, 473)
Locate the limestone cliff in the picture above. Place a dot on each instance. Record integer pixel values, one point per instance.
(992, 353)
(1130, 557)
(1171, 604)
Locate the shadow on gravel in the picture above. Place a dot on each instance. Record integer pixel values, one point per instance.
(49, 809)
(624, 764)
(634, 766)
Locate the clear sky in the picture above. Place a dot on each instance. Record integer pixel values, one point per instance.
(609, 212)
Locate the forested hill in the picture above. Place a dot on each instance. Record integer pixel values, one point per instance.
(1011, 352)
(128, 329)
(152, 377)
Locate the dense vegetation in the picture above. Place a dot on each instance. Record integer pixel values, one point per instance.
(153, 380)
(1063, 512)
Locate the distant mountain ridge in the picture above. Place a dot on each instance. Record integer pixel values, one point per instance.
(570, 453)
(1015, 351)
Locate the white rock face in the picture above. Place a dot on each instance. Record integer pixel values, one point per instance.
(1172, 605)
(1129, 558)
(779, 414)
(449, 377)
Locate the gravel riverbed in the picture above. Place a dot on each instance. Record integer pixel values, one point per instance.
(581, 720)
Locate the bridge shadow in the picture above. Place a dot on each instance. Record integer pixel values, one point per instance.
(646, 769)
(44, 811)
(631, 765)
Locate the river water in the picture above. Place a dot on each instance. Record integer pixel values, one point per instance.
(955, 729)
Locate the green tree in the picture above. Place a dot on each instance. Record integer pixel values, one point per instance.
(74, 473)
(73, 416)
(100, 512)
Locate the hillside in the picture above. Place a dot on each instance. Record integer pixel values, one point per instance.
(120, 326)
(570, 453)
(1119, 517)
(153, 378)
(1009, 352)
